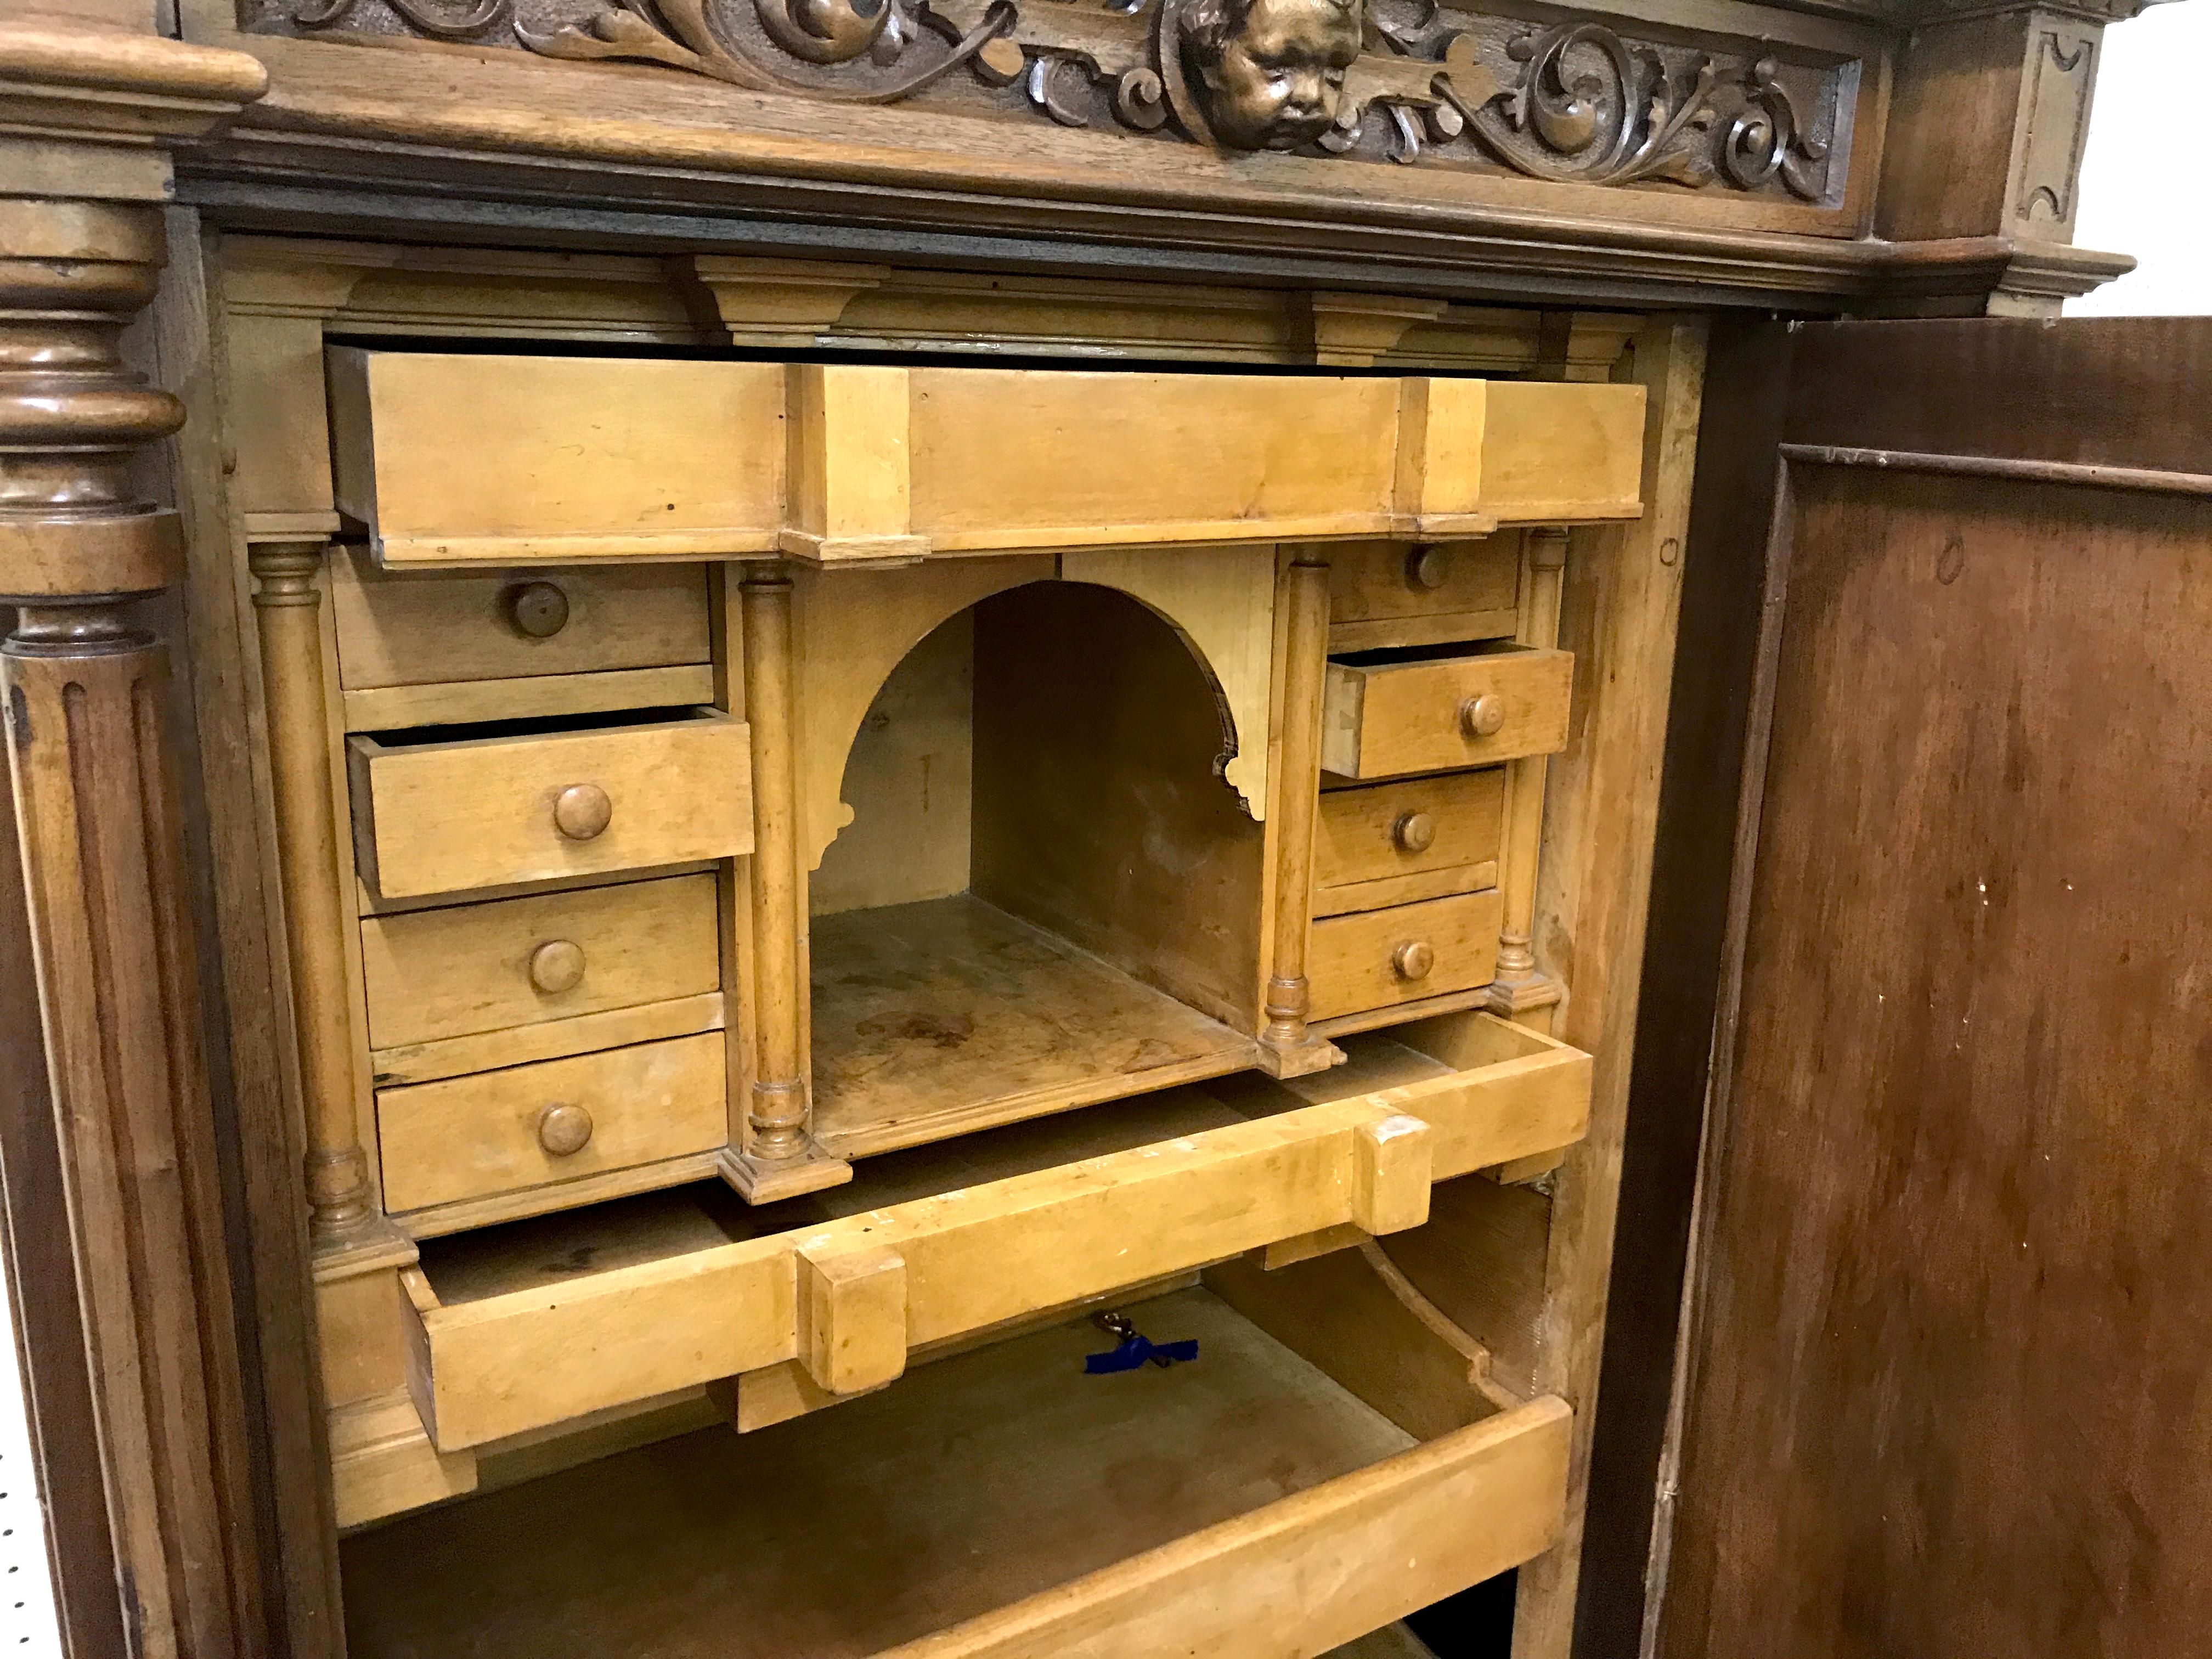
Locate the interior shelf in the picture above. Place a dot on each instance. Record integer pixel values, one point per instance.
(983, 1479)
(948, 1015)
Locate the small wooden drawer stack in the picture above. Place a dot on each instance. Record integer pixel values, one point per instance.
(523, 1038)
(1427, 695)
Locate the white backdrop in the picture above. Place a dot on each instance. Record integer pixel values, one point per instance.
(2144, 187)
(2143, 142)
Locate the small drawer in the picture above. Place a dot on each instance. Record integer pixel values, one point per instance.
(1374, 959)
(447, 809)
(500, 1132)
(437, 974)
(1388, 714)
(416, 649)
(1393, 593)
(398, 628)
(1419, 838)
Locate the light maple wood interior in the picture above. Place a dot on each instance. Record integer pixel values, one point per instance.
(984, 1488)
(1048, 895)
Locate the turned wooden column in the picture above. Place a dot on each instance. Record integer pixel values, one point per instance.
(780, 1157)
(1303, 592)
(86, 686)
(1518, 987)
(287, 601)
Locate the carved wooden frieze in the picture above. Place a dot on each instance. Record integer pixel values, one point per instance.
(1571, 99)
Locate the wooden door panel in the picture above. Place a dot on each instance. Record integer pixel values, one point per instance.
(1949, 1387)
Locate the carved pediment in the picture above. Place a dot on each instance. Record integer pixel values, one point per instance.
(1571, 101)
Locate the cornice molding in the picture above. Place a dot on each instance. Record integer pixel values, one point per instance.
(92, 113)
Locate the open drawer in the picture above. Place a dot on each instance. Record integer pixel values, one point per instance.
(444, 809)
(1000, 1505)
(521, 1327)
(453, 458)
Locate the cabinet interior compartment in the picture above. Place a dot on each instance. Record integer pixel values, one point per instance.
(1048, 895)
(997, 1500)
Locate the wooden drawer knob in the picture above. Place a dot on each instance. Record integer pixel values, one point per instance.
(1413, 961)
(1483, 716)
(537, 611)
(1414, 832)
(1427, 568)
(583, 810)
(556, 966)
(564, 1130)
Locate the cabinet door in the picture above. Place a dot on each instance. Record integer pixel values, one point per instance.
(1943, 1380)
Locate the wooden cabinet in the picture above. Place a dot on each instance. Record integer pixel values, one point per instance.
(856, 868)
(737, 728)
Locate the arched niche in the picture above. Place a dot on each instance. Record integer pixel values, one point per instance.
(854, 627)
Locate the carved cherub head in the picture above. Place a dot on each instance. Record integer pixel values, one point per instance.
(1271, 72)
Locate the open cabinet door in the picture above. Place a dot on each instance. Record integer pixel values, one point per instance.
(1945, 1384)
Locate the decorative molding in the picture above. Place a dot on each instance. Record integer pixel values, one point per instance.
(2061, 72)
(1575, 102)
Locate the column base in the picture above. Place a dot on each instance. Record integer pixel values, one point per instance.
(369, 1246)
(757, 1182)
(1517, 998)
(1309, 1054)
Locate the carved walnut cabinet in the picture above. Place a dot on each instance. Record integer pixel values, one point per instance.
(728, 715)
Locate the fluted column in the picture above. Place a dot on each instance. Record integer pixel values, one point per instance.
(86, 686)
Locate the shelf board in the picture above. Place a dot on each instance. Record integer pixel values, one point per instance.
(950, 1015)
(973, 1483)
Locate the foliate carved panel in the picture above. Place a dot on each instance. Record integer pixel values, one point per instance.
(1566, 99)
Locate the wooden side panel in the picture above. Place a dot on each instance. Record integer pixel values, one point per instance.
(455, 459)
(1962, 1160)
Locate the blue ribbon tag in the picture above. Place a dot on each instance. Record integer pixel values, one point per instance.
(1135, 1351)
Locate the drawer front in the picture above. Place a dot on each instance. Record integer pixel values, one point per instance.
(1394, 844)
(1386, 593)
(1311, 1571)
(498, 1131)
(415, 630)
(443, 818)
(1388, 718)
(434, 974)
(895, 1270)
(1374, 959)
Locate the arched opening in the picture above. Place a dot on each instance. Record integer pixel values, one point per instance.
(1048, 895)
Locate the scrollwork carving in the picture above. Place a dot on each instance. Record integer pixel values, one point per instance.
(1570, 102)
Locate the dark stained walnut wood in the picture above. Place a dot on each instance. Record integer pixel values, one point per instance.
(1940, 1395)
(86, 710)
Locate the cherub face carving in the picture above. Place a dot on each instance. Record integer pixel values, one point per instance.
(1271, 72)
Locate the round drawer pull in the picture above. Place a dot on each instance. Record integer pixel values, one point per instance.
(564, 1130)
(1483, 716)
(583, 810)
(556, 966)
(1414, 832)
(1413, 961)
(537, 611)
(1427, 568)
